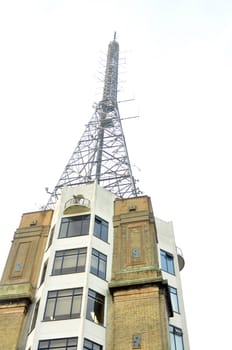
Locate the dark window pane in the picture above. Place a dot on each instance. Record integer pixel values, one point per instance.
(102, 269)
(104, 232)
(94, 265)
(167, 262)
(63, 307)
(174, 299)
(49, 312)
(58, 344)
(36, 309)
(63, 229)
(176, 338)
(95, 307)
(98, 264)
(69, 261)
(89, 345)
(101, 229)
(51, 237)
(43, 273)
(85, 226)
(63, 304)
(76, 306)
(74, 226)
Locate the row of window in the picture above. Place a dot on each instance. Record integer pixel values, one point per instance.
(66, 304)
(79, 226)
(176, 338)
(74, 261)
(67, 344)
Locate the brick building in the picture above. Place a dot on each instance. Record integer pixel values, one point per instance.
(95, 269)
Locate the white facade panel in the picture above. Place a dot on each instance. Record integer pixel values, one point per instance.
(100, 205)
(166, 242)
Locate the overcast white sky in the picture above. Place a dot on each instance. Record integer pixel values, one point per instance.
(179, 70)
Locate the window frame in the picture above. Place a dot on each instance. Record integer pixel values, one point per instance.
(44, 271)
(35, 316)
(66, 229)
(176, 338)
(167, 262)
(174, 299)
(67, 346)
(101, 229)
(101, 260)
(51, 236)
(63, 255)
(92, 344)
(95, 302)
(63, 298)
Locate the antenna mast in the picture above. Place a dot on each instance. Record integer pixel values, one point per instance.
(101, 154)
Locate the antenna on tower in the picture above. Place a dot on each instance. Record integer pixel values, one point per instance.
(101, 154)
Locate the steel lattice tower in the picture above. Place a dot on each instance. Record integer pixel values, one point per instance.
(101, 154)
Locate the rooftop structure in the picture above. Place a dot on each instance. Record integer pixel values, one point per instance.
(101, 154)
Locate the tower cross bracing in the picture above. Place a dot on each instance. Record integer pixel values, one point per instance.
(101, 154)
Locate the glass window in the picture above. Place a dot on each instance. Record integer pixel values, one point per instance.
(89, 345)
(51, 237)
(69, 261)
(35, 314)
(101, 229)
(167, 263)
(58, 344)
(176, 337)
(95, 307)
(174, 299)
(63, 304)
(98, 264)
(44, 272)
(74, 226)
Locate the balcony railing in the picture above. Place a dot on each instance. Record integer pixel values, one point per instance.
(76, 204)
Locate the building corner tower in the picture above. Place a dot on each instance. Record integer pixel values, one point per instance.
(137, 284)
(94, 270)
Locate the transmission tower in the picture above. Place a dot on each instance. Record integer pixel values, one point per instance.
(101, 154)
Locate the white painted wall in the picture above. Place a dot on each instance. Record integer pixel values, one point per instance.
(166, 241)
(101, 204)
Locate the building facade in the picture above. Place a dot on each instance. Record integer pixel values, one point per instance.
(106, 278)
(94, 270)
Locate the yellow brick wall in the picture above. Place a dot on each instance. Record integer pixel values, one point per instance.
(139, 304)
(139, 312)
(20, 277)
(11, 322)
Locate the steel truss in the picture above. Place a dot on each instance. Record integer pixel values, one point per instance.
(101, 154)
